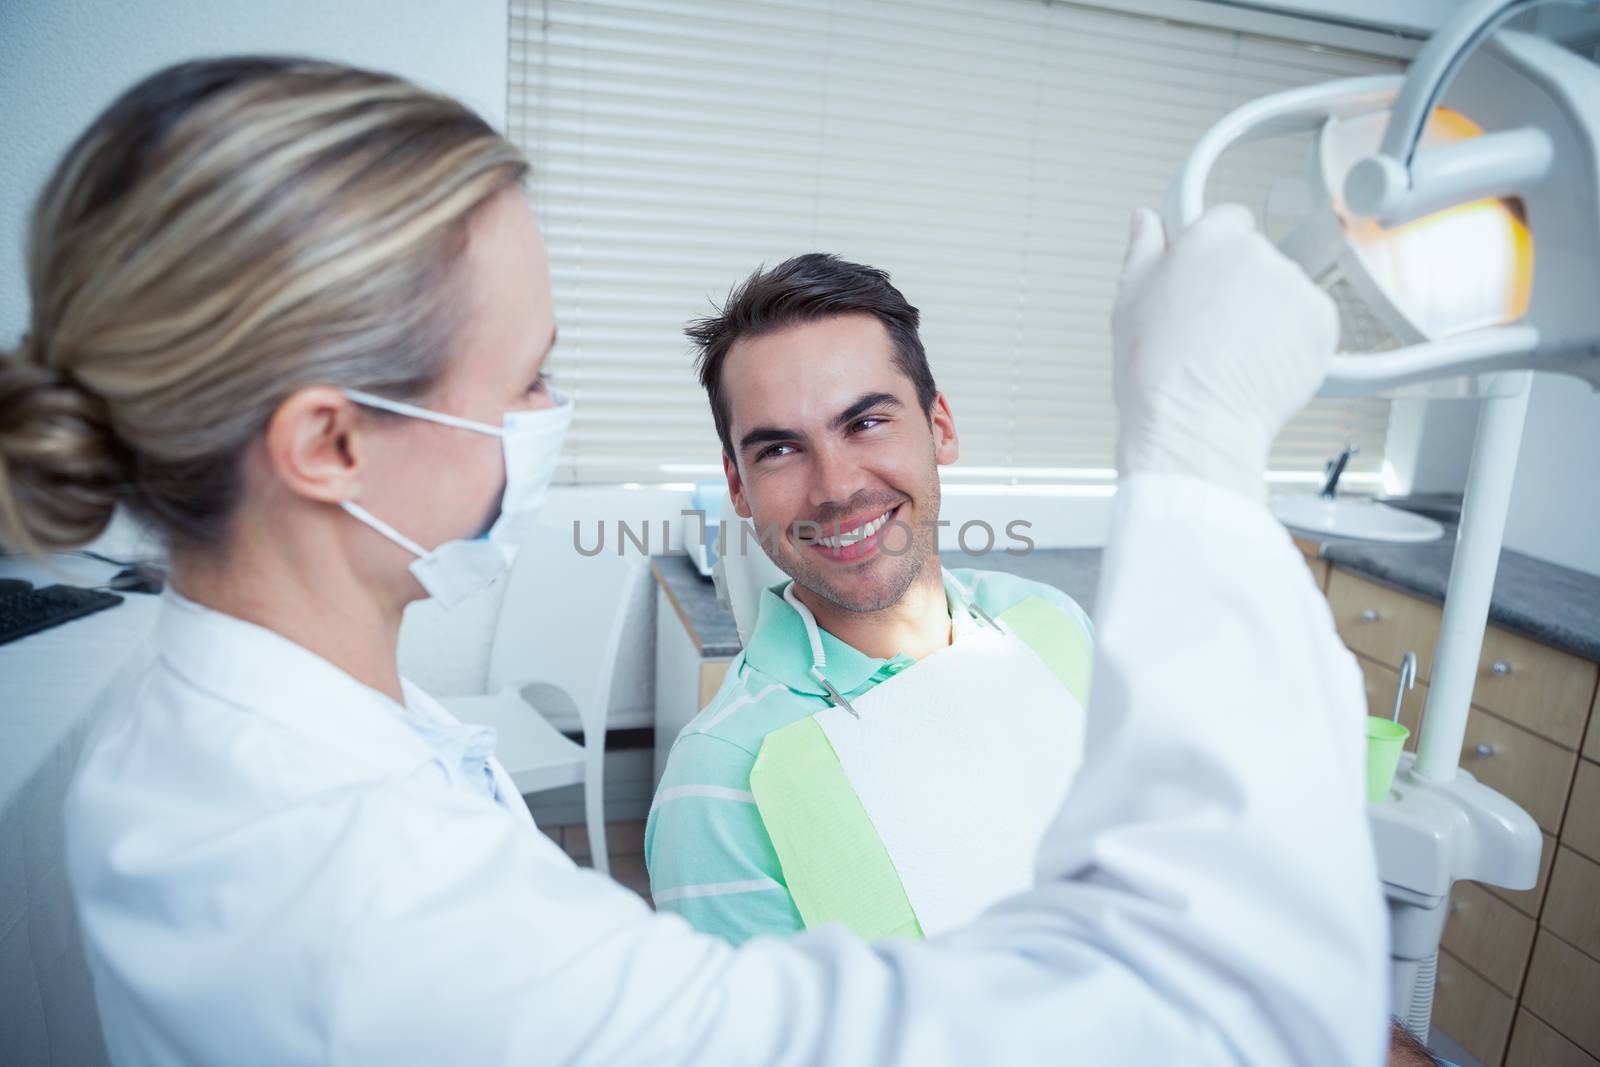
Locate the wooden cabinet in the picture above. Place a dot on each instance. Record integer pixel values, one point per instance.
(1530, 901)
(1535, 686)
(1382, 623)
(1473, 1012)
(1591, 744)
(1572, 911)
(1525, 767)
(1582, 831)
(1535, 1044)
(1319, 567)
(1562, 990)
(1490, 936)
(1525, 961)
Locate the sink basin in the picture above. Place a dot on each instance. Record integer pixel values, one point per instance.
(1366, 520)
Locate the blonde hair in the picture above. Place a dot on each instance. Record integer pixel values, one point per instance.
(225, 233)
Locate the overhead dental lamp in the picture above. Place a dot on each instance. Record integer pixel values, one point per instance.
(1460, 205)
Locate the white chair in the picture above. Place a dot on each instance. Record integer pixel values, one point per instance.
(555, 652)
(742, 576)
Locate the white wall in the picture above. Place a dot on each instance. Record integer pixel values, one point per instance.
(1555, 504)
(63, 61)
(1429, 445)
(1555, 507)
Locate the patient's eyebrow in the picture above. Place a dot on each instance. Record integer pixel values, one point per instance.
(866, 403)
(763, 435)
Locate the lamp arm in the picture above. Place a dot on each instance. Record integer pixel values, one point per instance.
(1379, 185)
(1271, 116)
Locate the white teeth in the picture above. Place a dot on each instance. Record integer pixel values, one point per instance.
(858, 534)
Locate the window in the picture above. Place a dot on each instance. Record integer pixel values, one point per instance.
(987, 153)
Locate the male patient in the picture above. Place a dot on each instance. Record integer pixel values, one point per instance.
(832, 433)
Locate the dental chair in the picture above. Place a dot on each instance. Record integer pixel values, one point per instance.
(555, 652)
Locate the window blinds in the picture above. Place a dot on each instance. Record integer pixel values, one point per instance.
(987, 153)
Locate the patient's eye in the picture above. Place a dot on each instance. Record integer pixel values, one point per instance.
(771, 451)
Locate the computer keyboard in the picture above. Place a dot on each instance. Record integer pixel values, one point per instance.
(29, 611)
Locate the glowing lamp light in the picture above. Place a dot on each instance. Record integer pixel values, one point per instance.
(1463, 268)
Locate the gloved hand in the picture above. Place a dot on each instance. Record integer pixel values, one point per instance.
(1218, 341)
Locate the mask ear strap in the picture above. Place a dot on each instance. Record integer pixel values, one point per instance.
(384, 528)
(400, 407)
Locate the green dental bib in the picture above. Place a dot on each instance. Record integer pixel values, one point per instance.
(834, 862)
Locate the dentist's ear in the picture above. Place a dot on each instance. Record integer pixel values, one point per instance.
(314, 445)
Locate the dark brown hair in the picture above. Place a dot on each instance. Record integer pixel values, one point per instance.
(807, 288)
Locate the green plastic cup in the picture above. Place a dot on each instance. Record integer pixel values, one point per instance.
(1385, 739)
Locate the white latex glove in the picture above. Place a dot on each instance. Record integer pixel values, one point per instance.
(1219, 341)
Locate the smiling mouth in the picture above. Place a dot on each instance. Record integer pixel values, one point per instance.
(854, 543)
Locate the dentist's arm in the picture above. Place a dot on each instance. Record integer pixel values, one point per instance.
(1207, 896)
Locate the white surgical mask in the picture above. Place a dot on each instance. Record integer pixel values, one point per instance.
(531, 441)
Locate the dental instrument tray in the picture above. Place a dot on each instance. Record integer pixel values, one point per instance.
(30, 610)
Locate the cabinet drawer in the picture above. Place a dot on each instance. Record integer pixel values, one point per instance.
(1475, 1014)
(1591, 744)
(1319, 572)
(1535, 686)
(1381, 682)
(1582, 829)
(1489, 935)
(1563, 989)
(1530, 770)
(1572, 910)
(1534, 1044)
(1529, 901)
(1383, 623)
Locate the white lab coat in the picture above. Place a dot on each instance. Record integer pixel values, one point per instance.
(271, 868)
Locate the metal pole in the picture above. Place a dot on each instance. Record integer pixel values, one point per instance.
(1466, 605)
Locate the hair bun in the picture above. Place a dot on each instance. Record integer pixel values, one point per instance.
(59, 475)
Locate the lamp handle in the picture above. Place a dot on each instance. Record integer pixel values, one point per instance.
(1291, 111)
(1382, 185)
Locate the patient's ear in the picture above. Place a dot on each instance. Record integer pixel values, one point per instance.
(730, 470)
(946, 447)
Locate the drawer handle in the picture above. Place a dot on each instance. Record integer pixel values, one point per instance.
(1500, 667)
(1369, 615)
(1483, 750)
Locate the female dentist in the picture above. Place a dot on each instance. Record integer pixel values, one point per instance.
(294, 315)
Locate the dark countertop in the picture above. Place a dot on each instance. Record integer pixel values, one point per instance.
(1552, 604)
(711, 627)
(1549, 603)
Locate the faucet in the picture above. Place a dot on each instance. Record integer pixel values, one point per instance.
(1408, 680)
(1334, 469)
